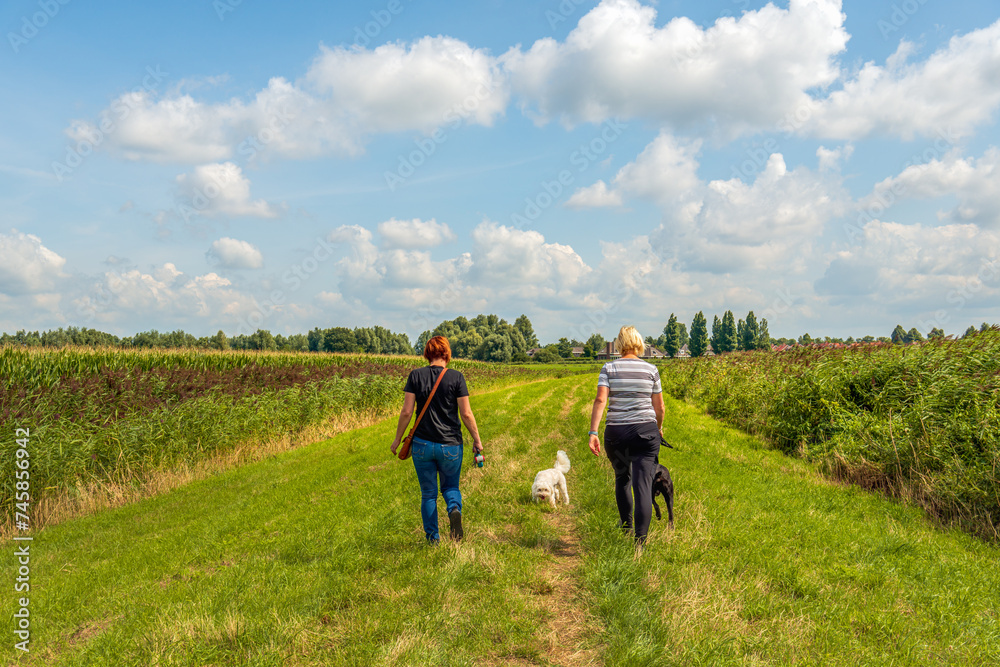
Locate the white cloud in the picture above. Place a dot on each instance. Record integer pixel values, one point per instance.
(421, 86)
(330, 299)
(27, 266)
(166, 293)
(507, 257)
(392, 278)
(345, 96)
(728, 226)
(359, 267)
(221, 190)
(412, 268)
(177, 129)
(830, 159)
(666, 171)
(973, 182)
(137, 291)
(415, 233)
(768, 68)
(350, 234)
(505, 266)
(916, 268)
(741, 73)
(595, 196)
(210, 291)
(234, 254)
(168, 273)
(740, 227)
(950, 93)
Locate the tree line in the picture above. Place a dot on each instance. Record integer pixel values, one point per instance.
(749, 334)
(483, 337)
(728, 335)
(370, 340)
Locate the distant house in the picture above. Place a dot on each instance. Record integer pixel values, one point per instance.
(533, 351)
(576, 352)
(653, 352)
(685, 352)
(610, 351)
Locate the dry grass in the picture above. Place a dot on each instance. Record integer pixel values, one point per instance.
(567, 405)
(49, 653)
(570, 624)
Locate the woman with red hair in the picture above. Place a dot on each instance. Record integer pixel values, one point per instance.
(437, 443)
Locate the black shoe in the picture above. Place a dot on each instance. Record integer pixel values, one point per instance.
(455, 518)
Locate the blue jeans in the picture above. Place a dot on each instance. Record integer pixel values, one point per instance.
(433, 460)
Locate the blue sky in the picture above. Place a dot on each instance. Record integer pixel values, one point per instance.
(830, 165)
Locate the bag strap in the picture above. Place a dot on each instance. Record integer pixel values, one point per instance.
(426, 404)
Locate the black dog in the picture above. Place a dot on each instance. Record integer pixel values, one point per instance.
(662, 484)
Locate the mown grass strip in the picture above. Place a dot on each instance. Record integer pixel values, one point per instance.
(315, 557)
(772, 564)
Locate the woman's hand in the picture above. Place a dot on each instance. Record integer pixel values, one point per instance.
(395, 446)
(595, 418)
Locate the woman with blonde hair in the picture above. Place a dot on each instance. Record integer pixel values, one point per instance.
(631, 389)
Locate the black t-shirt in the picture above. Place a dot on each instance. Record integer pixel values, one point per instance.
(441, 422)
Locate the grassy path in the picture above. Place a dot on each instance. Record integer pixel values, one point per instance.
(315, 557)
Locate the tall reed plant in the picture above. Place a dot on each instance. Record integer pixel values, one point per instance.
(920, 421)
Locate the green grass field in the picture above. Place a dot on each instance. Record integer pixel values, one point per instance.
(316, 557)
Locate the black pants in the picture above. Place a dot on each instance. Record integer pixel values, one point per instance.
(633, 450)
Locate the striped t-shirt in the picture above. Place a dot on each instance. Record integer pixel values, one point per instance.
(630, 383)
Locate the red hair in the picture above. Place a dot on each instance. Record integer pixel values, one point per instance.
(437, 348)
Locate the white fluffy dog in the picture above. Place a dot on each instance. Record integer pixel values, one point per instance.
(550, 484)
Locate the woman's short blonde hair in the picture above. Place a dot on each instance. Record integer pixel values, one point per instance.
(630, 342)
